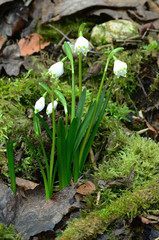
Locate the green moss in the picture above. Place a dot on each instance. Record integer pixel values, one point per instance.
(97, 221)
(137, 162)
(138, 154)
(65, 25)
(8, 233)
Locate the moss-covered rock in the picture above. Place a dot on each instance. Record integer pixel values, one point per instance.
(114, 29)
(97, 221)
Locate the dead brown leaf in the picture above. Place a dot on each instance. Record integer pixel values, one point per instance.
(5, 1)
(31, 44)
(152, 131)
(153, 218)
(144, 28)
(143, 16)
(144, 220)
(25, 184)
(2, 41)
(114, 13)
(13, 17)
(10, 60)
(152, 6)
(86, 188)
(57, 9)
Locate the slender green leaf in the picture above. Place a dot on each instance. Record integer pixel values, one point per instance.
(62, 155)
(80, 105)
(95, 128)
(68, 51)
(71, 138)
(46, 88)
(76, 167)
(62, 100)
(83, 127)
(45, 125)
(10, 157)
(47, 190)
(100, 103)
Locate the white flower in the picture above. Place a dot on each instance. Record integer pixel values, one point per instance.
(81, 45)
(56, 70)
(49, 107)
(39, 105)
(120, 68)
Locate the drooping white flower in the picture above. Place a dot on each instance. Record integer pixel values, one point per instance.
(56, 70)
(39, 105)
(120, 68)
(49, 107)
(81, 45)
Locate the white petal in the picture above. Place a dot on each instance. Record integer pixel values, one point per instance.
(56, 70)
(39, 105)
(82, 45)
(49, 107)
(120, 68)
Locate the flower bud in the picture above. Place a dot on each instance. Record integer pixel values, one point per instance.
(56, 70)
(81, 46)
(39, 105)
(120, 68)
(49, 107)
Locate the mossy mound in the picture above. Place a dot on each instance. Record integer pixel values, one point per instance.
(137, 163)
(8, 233)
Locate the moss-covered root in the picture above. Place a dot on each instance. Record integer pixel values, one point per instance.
(97, 221)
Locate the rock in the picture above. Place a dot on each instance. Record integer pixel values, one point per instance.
(114, 29)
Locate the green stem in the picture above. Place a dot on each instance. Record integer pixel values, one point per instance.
(73, 93)
(53, 142)
(80, 74)
(66, 124)
(43, 149)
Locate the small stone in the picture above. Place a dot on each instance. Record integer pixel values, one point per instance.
(114, 29)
